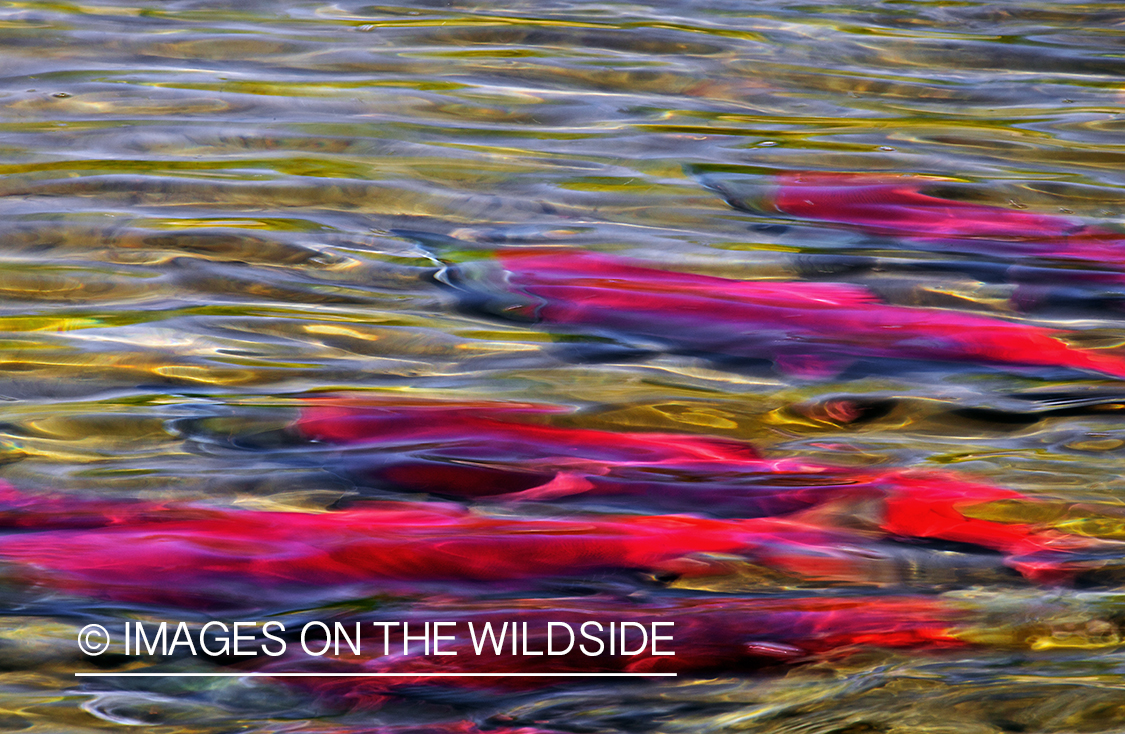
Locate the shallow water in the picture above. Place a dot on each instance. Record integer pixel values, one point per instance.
(212, 213)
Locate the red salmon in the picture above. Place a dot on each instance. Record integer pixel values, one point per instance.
(898, 206)
(720, 636)
(810, 328)
(192, 556)
(490, 450)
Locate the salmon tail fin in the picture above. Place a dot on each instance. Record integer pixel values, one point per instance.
(1105, 362)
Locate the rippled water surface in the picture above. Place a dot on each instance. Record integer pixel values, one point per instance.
(218, 219)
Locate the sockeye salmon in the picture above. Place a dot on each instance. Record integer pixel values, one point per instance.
(895, 206)
(723, 636)
(490, 450)
(806, 328)
(214, 557)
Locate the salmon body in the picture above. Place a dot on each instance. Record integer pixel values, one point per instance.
(488, 450)
(805, 328)
(206, 557)
(214, 556)
(586, 635)
(895, 206)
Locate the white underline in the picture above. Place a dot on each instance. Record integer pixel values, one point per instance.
(375, 675)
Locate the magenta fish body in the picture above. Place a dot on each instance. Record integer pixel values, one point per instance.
(803, 327)
(491, 452)
(682, 636)
(900, 206)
